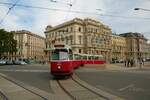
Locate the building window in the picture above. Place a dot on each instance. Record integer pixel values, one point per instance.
(67, 40)
(79, 29)
(67, 30)
(79, 50)
(96, 31)
(92, 30)
(71, 29)
(80, 39)
(71, 39)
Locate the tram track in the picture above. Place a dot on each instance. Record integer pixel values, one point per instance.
(2, 96)
(77, 91)
(28, 90)
(67, 92)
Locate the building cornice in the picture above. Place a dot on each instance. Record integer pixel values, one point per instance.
(77, 21)
(27, 32)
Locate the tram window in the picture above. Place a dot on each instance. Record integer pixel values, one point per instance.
(60, 54)
(93, 57)
(89, 57)
(55, 55)
(101, 58)
(71, 57)
(76, 56)
(79, 56)
(69, 51)
(63, 55)
(70, 54)
(85, 57)
(96, 58)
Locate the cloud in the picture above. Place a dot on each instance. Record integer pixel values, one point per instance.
(36, 20)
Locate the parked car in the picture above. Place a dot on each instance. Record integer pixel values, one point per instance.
(147, 59)
(16, 63)
(9, 62)
(2, 62)
(23, 63)
(19, 62)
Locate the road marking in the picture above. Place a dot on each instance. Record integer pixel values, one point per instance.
(126, 87)
(24, 70)
(135, 89)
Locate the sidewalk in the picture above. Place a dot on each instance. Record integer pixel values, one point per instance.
(15, 92)
(120, 66)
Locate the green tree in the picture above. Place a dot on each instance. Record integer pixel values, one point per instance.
(7, 42)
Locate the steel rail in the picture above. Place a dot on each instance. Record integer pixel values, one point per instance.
(23, 88)
(63, 88)
(3, 96)
(72, 96)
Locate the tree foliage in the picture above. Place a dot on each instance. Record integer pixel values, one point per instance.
(7, 42)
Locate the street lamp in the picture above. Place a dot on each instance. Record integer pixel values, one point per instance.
(141, 9)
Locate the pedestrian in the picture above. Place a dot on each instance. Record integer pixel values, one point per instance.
(128, 63)
(143, 62)
(140, 62)
(125, 63)
(131, 61)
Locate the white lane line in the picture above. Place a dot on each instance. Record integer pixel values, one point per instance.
(126, 87)
(12, 70)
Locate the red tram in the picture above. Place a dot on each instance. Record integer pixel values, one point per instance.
(63, 61)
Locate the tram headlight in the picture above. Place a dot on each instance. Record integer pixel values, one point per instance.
(59, 67)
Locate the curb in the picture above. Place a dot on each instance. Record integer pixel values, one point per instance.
(31, 89)
(104, 94)
(3, 96)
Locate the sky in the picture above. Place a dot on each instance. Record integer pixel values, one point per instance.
(105, 11)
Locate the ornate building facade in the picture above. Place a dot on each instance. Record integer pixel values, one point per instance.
(136, 45)
(119, 48)
(29, 45)
(89, 36)
(86, 36)
(148, 49)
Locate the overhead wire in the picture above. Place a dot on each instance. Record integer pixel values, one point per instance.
(66, 3)
(75, 11)
(69, 3)
(70, 6)
(10, 8)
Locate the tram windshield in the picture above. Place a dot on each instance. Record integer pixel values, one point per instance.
(60, 54)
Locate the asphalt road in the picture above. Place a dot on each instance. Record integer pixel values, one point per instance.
(34, 75)
(129, 85)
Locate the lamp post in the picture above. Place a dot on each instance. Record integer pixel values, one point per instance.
(139, 52)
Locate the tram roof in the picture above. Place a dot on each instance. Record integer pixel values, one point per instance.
(60, 46)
